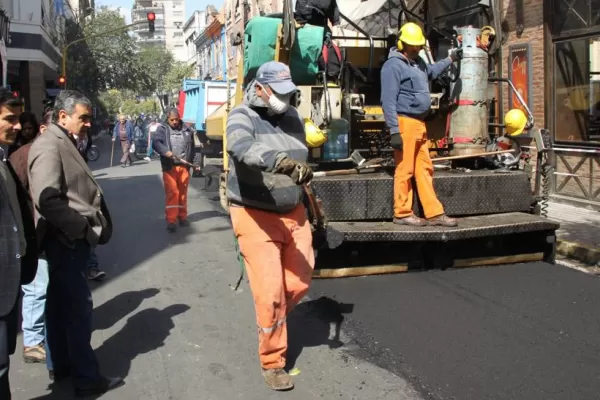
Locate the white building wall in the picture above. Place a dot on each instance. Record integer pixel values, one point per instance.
(26, 17)
(174, 21)
(194, 26)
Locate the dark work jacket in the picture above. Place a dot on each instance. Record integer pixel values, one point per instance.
(161, 143)
(29, 262)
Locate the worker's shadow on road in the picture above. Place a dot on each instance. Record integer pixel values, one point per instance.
(143, 332)
(315, 323)
(111, 312)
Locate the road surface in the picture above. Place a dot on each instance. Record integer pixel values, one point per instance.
(168, 321)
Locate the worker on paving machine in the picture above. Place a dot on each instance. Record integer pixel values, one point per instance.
(406, 101)
(267, 167)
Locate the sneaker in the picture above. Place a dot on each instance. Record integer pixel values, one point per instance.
(184, 223)
(277, 379)
(96, 274)
(147, 158)
(35, 354)
(171, 227)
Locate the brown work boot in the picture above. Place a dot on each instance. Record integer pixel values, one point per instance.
(277, 379)
(411, 220)
(34, 354)
(442, 220)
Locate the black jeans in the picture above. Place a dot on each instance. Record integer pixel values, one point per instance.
(69, 311)
(8, 344)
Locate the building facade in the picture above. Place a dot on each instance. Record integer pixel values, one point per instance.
(33, 50)
(211, 47)
(192, 29)
(170, 18)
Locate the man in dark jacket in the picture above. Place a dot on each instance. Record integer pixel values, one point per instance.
(19, 252)
(175, 143)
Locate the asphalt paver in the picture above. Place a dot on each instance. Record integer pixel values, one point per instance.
(167, 320)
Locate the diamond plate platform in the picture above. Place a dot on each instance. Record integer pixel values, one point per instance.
(369, 196)
(468, 228)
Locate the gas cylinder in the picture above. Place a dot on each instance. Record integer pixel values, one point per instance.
(469, 120)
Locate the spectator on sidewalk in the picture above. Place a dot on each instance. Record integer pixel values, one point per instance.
(34, 294)
(152, 127)
(71, 217)
(19, 251)
(124, 132)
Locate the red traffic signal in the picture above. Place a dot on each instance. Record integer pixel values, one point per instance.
(15, 94)
(151, 16)
(61, 80)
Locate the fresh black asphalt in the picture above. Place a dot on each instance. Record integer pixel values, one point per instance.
(518, 332)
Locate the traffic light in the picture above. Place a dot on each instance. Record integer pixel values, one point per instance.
(151, 17)
(62, 80)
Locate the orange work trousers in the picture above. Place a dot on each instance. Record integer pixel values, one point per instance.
(414, 161)
(279, 257)
(176, 187)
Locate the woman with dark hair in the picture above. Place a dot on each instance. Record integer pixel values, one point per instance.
(34, 293)
(29, 131)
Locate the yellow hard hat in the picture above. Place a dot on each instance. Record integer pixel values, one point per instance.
(315, 137)
(515, 121)
(412, 34)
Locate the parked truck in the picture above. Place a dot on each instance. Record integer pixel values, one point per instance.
(202, 99)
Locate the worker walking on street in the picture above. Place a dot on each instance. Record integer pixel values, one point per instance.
(406, 101)
(266, 144)
(175, 144)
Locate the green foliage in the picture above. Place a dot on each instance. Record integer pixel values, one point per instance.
(115, 102)
(111, 68)
(177, 73)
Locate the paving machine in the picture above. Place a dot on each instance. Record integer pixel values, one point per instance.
(481, 177)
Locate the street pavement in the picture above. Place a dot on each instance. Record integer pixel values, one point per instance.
(167, 319)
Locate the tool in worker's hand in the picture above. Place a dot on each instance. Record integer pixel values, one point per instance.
(195, 166)
(315, 210)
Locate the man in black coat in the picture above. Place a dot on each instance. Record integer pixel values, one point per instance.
(19, 250)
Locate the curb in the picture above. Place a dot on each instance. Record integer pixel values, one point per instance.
(578, 251)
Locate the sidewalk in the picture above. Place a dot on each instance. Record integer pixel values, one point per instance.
(579, 233)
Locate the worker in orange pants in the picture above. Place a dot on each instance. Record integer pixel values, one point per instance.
(176, 182)
(175, 144)
(266, 143)
(406, 102)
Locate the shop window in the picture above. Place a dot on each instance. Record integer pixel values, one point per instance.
(577, 91)
(574, 15)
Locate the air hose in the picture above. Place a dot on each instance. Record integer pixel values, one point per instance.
(242, 264)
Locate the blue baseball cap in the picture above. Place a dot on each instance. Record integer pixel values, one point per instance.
(277, 75)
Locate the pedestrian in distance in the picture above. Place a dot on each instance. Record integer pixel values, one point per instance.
(19, 250)
(175, 144)
(406, 102)
(71, 217)
(267, 150)
(34, 293)
(123, 131)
